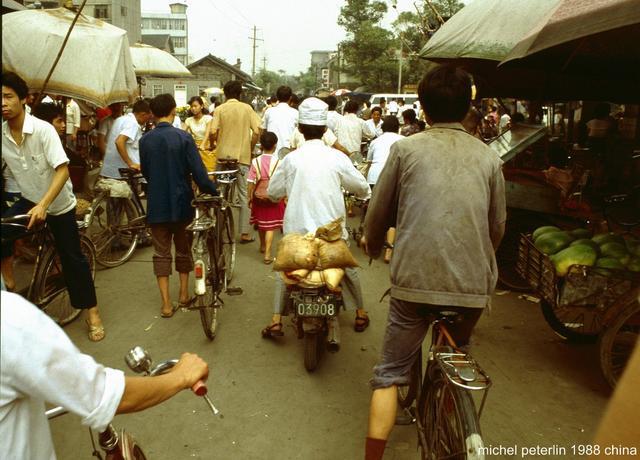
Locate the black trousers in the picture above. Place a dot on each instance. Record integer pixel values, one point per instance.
(75, 267)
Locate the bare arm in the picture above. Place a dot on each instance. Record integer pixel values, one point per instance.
(338, 146)
(121, 146)
(143, 392)
(39, 211)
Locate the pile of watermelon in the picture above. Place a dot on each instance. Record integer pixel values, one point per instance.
(609, 252)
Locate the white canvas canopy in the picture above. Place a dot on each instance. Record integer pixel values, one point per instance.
(95, 65)
(149, 61)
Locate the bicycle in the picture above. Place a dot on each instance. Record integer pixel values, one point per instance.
(47, 288)
(446, 419)
(122, 446)
(117, 225)
(213, 252)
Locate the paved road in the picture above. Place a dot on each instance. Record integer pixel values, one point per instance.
(545, 392)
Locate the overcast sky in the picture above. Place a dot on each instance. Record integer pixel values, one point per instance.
(291, 29)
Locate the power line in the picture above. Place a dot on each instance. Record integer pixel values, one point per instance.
(211, 2)
(239, 13)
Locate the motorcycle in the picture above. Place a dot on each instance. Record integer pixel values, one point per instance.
(315, 316)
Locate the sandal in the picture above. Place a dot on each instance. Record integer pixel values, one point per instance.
(96, 333)
(267, 261)
(361, 323)
(273, 330)
(174, 307)
(246, 241)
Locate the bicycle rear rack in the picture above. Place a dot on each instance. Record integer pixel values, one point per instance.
(464, 371)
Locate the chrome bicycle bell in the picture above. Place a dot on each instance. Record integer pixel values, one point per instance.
(138, 360)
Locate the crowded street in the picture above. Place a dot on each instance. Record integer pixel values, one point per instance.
(544, 393)
(379, 229)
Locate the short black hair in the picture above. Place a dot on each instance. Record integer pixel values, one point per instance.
(382, 99)
(232, 89)
(142, 106)
(376, 109)
(390, 124)
(400, 101)
(15, 82)
(409, 115)
(367, 103)
(196, 99)
(48, 111)
(312, 131)
(268, 140)
(162, 105)
(213, 99)
(445, 93)
(351, 107)
(332, 102)
(294, 101)
(283, 93)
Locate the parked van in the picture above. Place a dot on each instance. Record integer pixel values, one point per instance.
(408, 98)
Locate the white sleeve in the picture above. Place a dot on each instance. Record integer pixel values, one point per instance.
(40, 361)
(329, 137)
(129, 128)
(352, 180)
(278, 182)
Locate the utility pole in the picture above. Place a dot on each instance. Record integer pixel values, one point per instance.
(264, 63)
(400, 68)
(255, 45)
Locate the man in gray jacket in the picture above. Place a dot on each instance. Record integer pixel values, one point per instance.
(443, 190)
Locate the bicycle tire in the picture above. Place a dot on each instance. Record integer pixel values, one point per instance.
(407, 393)
(113, 248)
(227, 242)
(575, 324)
(448, 420)
(312, 350)
(617, 342)
(51, 293)
(205, 302)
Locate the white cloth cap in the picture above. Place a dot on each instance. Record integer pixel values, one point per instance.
(313, 111)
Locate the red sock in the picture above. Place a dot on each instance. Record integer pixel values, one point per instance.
(374, 449)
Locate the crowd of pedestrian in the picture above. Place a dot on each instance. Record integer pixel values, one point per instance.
(418, 217)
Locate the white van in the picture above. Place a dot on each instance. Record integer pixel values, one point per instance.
(409, 99)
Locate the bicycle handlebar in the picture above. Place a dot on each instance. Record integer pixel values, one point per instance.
(16, 219)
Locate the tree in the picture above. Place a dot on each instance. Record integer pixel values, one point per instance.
(368, 49)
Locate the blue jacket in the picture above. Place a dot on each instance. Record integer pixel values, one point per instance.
(168, 159)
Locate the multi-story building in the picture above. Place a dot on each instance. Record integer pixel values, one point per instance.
(174, 24)
(120, 13)
(320, 66)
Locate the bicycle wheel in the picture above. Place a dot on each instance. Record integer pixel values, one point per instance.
(110, 230)
(578, 324)
(407, 393)
(51, 293)
(227, 242)
(449, 426)
(618, 341)
(205, 302)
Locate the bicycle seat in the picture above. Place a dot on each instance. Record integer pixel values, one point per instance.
(205, 198)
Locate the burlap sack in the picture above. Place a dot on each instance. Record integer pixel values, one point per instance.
(314, 279)
(296, 251)
(298, 274)
(331, 231)
(287, 279)
(333, 277)
(334, 255)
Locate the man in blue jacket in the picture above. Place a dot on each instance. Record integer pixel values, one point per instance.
(168, 159)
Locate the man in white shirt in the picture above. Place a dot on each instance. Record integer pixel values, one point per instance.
(282, 119)
(104, 128)
(40, 364)
(373, 126)
(381, 146)
(74, 117)
(393, 107)
(122, 142)
(332, 116)
(32, 150)
(313, 177)
(350, 130)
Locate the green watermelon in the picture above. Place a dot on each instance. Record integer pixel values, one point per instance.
(552, 242)
(616, 250)
(604, 238)
(573, 255)
(633, 246)
(580, 233)
(542, 230)
(609, 262)
(586, 242)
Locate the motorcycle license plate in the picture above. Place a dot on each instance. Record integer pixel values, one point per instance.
(316, 309)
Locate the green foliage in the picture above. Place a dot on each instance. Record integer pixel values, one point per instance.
(368, 49)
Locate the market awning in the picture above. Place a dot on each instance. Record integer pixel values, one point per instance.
(250, 85)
